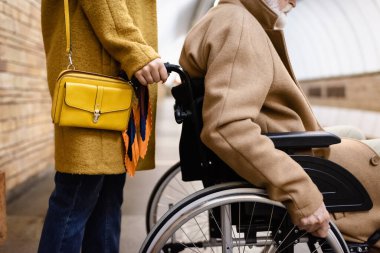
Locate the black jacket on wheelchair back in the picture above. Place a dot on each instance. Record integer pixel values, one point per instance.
(341, 190)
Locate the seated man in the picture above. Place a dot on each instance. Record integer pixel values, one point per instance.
(250, 89)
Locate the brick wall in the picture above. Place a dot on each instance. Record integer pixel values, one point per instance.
(356, 92)
(26, 131)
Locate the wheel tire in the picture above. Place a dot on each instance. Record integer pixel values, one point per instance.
(171, 179)
(211, 197)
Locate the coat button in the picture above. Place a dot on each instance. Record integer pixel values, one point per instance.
(375, 160)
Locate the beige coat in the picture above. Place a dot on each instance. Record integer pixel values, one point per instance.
(250, 89)
(106, 36)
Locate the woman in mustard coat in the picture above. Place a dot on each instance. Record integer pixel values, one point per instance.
(107, 36)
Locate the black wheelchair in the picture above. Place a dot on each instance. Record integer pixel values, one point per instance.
(201, 205)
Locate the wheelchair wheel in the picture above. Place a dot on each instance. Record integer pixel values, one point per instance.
(231, 218)
(169, 190)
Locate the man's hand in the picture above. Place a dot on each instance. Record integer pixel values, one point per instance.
(317, 224)
(153, 72)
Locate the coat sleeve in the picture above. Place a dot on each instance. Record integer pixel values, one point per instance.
(116, 31)
(239, 76)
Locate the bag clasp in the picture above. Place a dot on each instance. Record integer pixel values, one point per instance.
(96, 116)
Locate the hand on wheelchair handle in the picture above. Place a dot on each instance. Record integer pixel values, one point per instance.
(153, 72)
(317, 224)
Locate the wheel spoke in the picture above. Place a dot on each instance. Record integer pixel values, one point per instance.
(270, 224)
(282, 221)
(319, 246)
(291, 243)
(216, 222)
(204, 235)
(239, 228)
(190, 241)
(250, 222)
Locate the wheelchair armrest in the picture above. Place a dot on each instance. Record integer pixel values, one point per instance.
(303, 140)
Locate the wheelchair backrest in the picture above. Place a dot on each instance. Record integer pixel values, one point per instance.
(197, 161)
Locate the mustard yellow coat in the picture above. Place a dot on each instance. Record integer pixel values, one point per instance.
(250, 89)
(107, 35)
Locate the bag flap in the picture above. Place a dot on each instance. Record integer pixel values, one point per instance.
(116, 99)
(84, 97)
(81, 96)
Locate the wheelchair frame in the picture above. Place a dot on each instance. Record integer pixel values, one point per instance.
(342, 191)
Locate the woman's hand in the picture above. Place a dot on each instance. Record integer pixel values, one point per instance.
(317, 224)
(153, 72)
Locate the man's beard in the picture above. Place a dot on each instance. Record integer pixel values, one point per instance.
(281, 21)
(275, 6)
(282, 18)
(287, 8)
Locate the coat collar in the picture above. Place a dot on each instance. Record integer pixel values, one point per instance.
(266, 17)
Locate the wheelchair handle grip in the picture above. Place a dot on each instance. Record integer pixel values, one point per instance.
(177, 69)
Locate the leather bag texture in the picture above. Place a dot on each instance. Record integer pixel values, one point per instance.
(90, 100)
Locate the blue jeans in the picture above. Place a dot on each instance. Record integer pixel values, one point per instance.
(84, 214)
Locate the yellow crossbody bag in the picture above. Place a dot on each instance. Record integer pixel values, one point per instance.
(90, 100)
